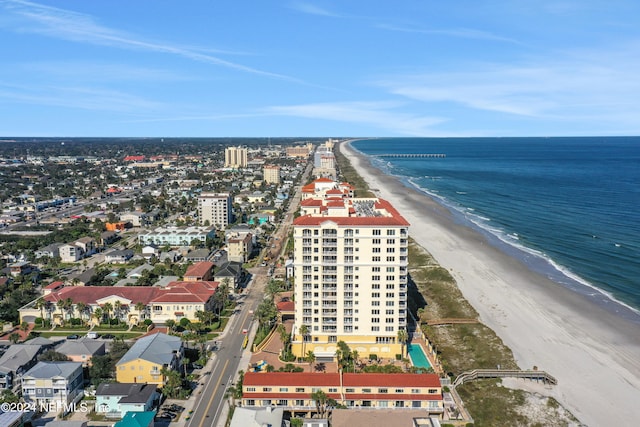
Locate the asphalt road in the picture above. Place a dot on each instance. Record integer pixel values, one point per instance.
(227, 360)
(209, 408)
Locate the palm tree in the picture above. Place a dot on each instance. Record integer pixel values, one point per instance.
(117, 310)
(170, 325)
(41, 303)
(354, 356)
(98, 314)
(14, 337)
(320, 397)
(304, 331)
(82, 308)
(107, 308)
(310, 358)
(185, 362)
(403, 337)
(60, 305)
(140, 307)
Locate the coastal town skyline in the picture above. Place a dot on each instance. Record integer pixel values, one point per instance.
(150, 69)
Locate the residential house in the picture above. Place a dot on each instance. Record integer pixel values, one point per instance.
(198, 255)
(118, 256)
(11, 419)
(51, 287)
(292, 391)
(199, 271)
(17, 359)
(146, 359)
(231, 271)
(53, 382)
(114, 400)
(51, 251)
(70, 253)
(20, 268)
(87, 244)
(150, 250)
(172, 302)
(137, 219)
(82, 350)
(240, 247)
(257, 417)
(108, 237)
(137, 419)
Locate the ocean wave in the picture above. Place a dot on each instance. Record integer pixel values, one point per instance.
(554, 271)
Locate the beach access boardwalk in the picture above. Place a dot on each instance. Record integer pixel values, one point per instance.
(450, 321)
(413, 155)
(504, 373)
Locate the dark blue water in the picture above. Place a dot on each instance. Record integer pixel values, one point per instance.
(567, 207)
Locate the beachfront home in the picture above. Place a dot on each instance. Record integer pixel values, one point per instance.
(114, 400)
(292, 391)
(146, 359)
(53, 382)
(137, 419)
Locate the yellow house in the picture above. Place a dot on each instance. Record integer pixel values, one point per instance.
(144, 361)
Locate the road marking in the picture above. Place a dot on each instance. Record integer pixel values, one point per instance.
(215, 390)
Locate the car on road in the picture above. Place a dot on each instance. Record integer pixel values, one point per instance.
(73, 337)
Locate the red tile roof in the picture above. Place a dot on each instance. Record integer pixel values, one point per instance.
(309, 379)
(286, 306)
(54, 285)
(199, 269)
(174, 292)
(394, 218)
(319, 379)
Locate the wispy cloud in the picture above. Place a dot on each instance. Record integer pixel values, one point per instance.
(69, 25)
(468, 33)
(79, 97)
(570, 86)
(380, 115)
(312, 9)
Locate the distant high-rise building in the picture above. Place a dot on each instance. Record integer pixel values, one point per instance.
(351, 260)
(215, 209)
(235, 157)
(271, 174)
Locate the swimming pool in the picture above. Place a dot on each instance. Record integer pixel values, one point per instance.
(418, 358)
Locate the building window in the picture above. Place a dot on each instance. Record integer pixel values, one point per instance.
(284, 389)
(251, 389)
(383, 390)
(266, 388)
(299, 389)
(433, 391)
(399, 403)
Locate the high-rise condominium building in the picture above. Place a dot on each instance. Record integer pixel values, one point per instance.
(235, 157)
(215, 209)
(271, 174)
(351, 260)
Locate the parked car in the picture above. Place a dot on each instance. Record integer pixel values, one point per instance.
(73, 337)
(92, 335)
(196, 366)
(108, 336)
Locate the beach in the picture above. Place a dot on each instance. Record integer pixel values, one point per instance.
(594, 354)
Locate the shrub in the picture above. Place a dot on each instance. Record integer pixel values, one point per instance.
(398, 357)
(147, 322)
(75, 321)
(39, 321)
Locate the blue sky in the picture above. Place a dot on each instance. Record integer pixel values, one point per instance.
(319, 68)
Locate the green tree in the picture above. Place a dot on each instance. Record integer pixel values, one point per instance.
(107, 308)
(53, 356)
(14, 337)
(304, 332)
(403, 337)
(8, 396)
(310, 358)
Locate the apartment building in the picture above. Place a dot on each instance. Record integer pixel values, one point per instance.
(271, 174)
(215, 209)
(351, 260)
(292, 391)
(235, 157)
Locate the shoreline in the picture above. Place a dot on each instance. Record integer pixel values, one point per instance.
(594, 354)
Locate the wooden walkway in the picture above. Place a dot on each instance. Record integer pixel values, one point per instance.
(449, 321)
(504, 373)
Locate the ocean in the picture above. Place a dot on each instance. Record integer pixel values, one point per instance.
(568, 207)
